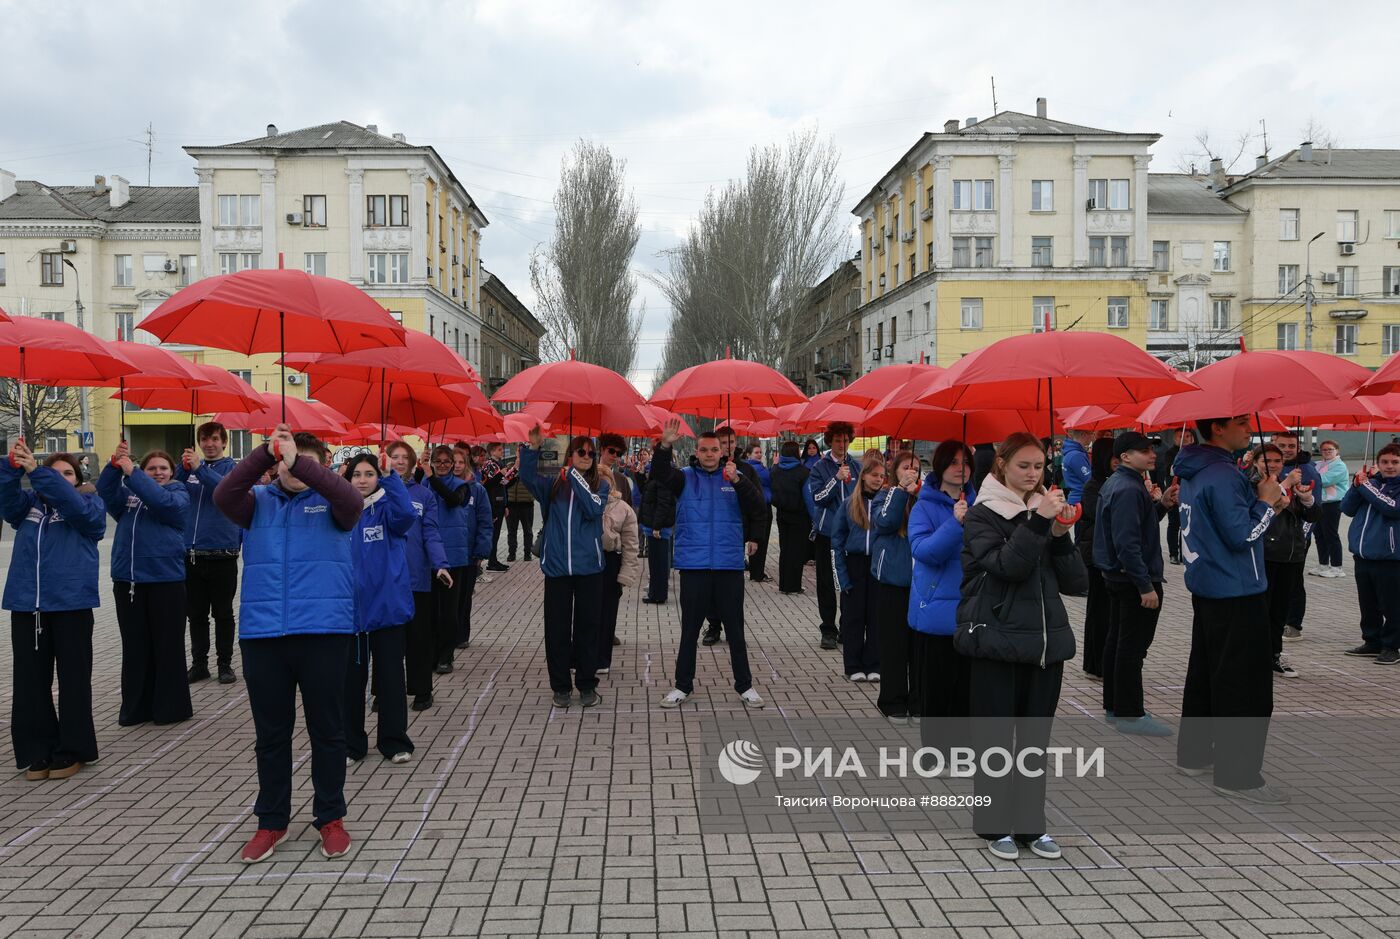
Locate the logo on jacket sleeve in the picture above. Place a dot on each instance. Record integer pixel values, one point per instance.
(133, 502)
(418, 507)
(374, 533)
(36, 514)
(315, 509)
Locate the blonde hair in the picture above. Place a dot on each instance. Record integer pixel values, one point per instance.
(1009, 448)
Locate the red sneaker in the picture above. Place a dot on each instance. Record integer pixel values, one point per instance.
(261, 844)
(335, 840)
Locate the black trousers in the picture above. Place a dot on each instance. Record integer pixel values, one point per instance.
(520, 516)
(1174, 533)
(609, 598)
(941, 677)
(1378, 589)
(659, 569)
(1285, 580)
(1131, 628)
(210, 585)
(826, 585)
(420, 646)
(1097, 615)
(860, 647)
(273, 671)
(758, 564)
(1012, 706)
(723, 593)
(464, 601)
(1327, 534)
(155, 685)
(572, 606)
(447, 603)
(1298, 597)
(385, 648)
(498, 517)
(794, 547)
(1229, 694)
(59, 642)
(895, 642)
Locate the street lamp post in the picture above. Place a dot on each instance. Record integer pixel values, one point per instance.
(83, 424)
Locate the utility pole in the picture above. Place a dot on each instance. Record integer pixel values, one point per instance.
(84, 425)
(1308, 294)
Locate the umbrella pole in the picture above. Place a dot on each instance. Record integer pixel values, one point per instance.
(20, 397)
(282, 343)
(382, 406)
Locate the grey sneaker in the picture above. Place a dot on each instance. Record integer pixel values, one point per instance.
(1388, 657)
(1004, 848)
(1263, 795)
(1045, 847)
(562, 699)
(589, 698)
(1292, 634)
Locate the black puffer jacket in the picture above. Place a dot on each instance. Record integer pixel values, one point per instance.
(788, 481)
(1024, 569)
(658, 507)
(1284, 542)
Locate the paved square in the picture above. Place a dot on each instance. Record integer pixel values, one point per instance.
(514, 819)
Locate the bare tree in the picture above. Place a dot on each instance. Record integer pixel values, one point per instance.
(1320, 135)
(582, 279)
(1197, 160)
(46, 410)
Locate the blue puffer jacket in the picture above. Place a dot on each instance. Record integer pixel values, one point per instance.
(1077, 470)
(298, 572)
(571, 544)
(826, 496)
(849, 538)
(1223, 524)
(1375, 508)
(54, 555)
(423, 545)
(936, 541)
(149, 547)
(206, 528)
(891, 561)
(383, 590)
(763, 478)
(465, 527)
(709, 523)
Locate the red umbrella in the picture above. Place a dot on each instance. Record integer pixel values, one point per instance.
(873, 387)
(422, 360)
(224, 391)
(156, 368)
(823, 410)
(311, 417)
(571, 383)
(1385, 380)
(726, 388)
(49, 352)
(900, 415)
(1092, 417)
(366, 434)
(629, 420)
(362, 402)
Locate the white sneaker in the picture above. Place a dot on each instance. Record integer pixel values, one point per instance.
(872, 676)
(401, 757)
(1317, 571)
(602, 671)
(1337, 572)
(673, 698)
(483, 578)
(856, 676)
(751, 699)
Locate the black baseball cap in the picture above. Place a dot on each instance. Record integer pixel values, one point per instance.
(1132, 440)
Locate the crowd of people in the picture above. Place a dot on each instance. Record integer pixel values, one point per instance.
(943, 587)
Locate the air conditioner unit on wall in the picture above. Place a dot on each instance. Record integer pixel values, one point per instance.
(1329, 278)
(875, 353)
(171, 267)
(907, 236)
(1346, 247)
(293, 218)
(295, 379)
(889, 351)
(68, 247)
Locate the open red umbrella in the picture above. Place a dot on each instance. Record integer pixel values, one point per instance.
(727, 388)
(900, 415)
(223, 391)
(873, 387)
(363, 435)
(421, 360)
(1385, 380)
(311, 417)
(156, 368)
(362, 402)
(569, 380)
(629, 420)
(49, 352)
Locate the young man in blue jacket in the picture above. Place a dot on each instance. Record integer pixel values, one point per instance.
(1373, 505)
(1075, 464)
(830, 483)
(1128, 552)
(295, 621)
(715, 532)
(1230, 671)
(758, 564)
(211, 554)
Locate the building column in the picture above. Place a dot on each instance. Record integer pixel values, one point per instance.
(207, 216)
(1006, 208)
(1142, 254)
(1081, 213)
(942, 200)
(268, 199)
(356, 220)
(418, 226)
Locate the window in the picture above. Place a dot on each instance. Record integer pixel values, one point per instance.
(316, 263)
(1042, 251)
(1287, 279)
(1161, 255)
(2, 268)
(240, 443)
(55, 441)
(1390, 281)
(398, 268)
(376, 212)
(398, 211)
(1042, 195)
(126, 327)
(1096, 251)
(1287, 224)
(377, 271)
(1287, 336)
(971, 312)
(1220, 257)
(1159, 315)
(1345, 342)
(930, 256)
(1117, 312)
(189, 263)
(1346, 281)
(1346, 225)
(1098, 193)
(1392, 223)
(313, 211)
(250, 262)
(122, 272)
(457, 340)
(230, 263)
(249, 211)
(962, 252)
(913, 261)
(228, 211)
(1118, 246)
(51, 269)
(984, 193)
(1220, 314)
(1042, 313)
(962, 193)
(54, 316)
(983, 255)
(1118, 194)
(894, 330)
(1390, 339)
(55, 394)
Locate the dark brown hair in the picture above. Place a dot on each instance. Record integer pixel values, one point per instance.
(906, 456)
(209, 429)
(943, 457)
(590, 477)
(68, 458)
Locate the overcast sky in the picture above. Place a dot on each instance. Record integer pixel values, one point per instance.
(680, 90)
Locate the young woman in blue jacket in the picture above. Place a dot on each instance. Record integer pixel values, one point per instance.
(51, 593)
(571, 556)
(383, 607)
(464, 521)
(893, 567)
(852, 538)
(427, 565)
(148, 578)
(936, 541)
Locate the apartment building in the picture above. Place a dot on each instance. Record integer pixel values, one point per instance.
(510, 335)
(826, 339)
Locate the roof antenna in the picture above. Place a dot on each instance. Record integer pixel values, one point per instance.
(994, 95)
(1265, 128)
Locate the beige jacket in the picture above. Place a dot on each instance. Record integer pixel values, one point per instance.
(620, 534)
